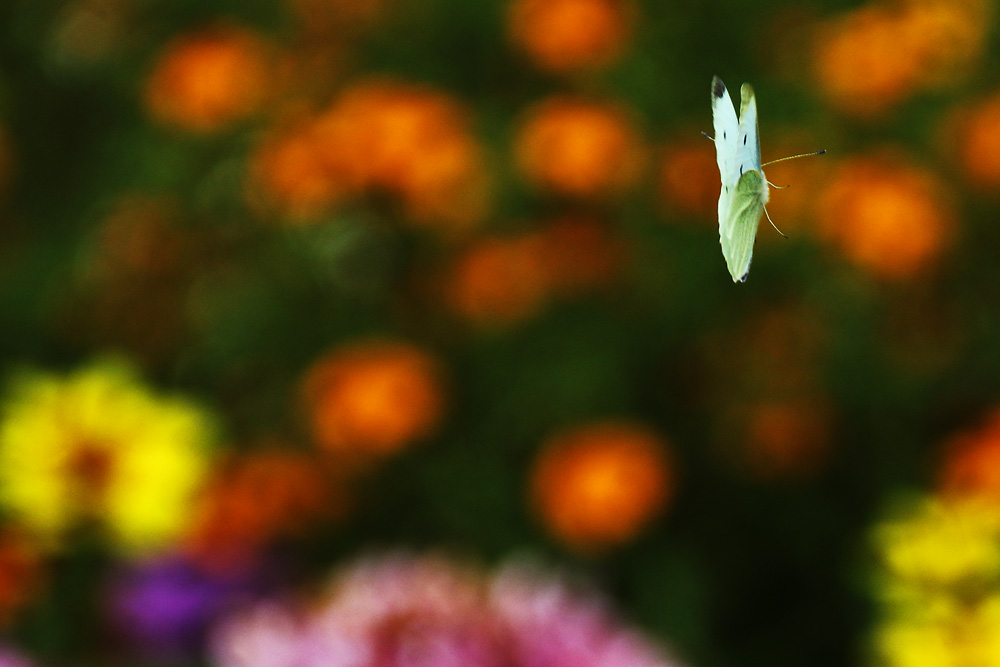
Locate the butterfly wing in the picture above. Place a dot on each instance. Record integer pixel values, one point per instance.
(741, 222)
(748, 137)
(727, 129)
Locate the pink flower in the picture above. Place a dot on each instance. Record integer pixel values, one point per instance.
(266, 636)
(556, 626)
(11, 658)
(403, 611)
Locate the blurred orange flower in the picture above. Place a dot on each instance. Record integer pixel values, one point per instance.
(886, 215)
(861, 62)
(379, 138)
(579, 254)
(205, 80)
(971, 464)
(689, 181)
(975, 133)
(787, 438)
(21, 573)
(500, 280)
(410, 141)
(566, 35)
(140, 235)
(776, 357)
(258, 497)
(870, 59)
(373, 398)
(579, 148)
(130, 290)
(597, 485)
(948, 36)
(290, 174)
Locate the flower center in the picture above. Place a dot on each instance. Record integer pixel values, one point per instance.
(89, 469)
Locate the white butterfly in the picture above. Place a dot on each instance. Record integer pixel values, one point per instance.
(744, 186)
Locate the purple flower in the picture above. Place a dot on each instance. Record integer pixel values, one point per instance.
(164, 606)
(402, 611)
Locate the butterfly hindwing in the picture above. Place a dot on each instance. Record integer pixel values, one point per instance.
(741, 223)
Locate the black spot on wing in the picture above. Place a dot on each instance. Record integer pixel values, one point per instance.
(743, 279)
(718, 88)
(744, 140)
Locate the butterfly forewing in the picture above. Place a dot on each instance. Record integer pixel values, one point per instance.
(748, 137)
(727, 129)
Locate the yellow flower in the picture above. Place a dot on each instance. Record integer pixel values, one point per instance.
(982, 633)
(99, 448)
(914, 601)
(944, 543)
(970, 637)
(940, 585)
(908, 644)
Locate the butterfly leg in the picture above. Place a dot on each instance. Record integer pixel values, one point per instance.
(772, 223)
(778, 187)
(707, 136)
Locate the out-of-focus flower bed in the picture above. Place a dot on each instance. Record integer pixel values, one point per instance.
(396, 333)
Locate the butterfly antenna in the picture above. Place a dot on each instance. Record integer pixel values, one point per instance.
(792, 157)
(708, 136)
(772, 223)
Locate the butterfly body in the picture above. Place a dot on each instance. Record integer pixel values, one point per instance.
(744, 187)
